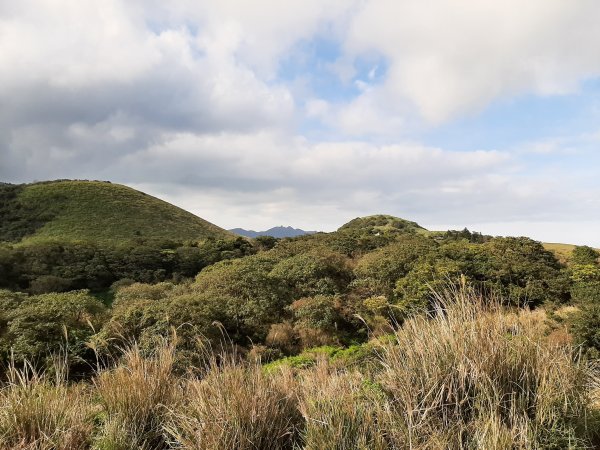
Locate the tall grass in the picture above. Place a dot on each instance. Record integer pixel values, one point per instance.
(475, 376)
(135, 398)
(238, 406)
(340, 410)
(470, 375)
(40, 412)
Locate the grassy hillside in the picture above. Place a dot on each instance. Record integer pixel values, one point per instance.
(93, 211)
(562, 251)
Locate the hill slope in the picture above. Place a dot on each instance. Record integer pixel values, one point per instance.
(94, 211)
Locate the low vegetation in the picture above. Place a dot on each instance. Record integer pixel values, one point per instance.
(471, 374)
(381, 335)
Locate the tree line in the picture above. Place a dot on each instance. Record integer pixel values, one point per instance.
(272, 297)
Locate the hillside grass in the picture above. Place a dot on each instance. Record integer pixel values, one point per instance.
(101, 212)
(469, 375)
(562, 251)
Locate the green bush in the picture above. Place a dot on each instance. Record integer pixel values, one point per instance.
(314, 273)
(44, 325)
(387, 264)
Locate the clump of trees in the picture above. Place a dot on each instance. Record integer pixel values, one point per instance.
(585, 291)
(37, 328)
(58, 267)
(282, 295)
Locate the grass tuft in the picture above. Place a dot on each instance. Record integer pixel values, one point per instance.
(39, 412)
(477, 376)
(135, 398)
(238, 406)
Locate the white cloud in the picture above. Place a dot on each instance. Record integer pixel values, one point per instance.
(72, 44)
(183, 99)
(82, 61)
(261, 179)
(449, 58)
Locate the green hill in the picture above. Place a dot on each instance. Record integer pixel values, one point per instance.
(382, 223)
(94, 211)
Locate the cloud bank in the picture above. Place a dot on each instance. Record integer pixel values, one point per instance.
(306, 113)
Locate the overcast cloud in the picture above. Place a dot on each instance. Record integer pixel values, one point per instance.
(310, 113)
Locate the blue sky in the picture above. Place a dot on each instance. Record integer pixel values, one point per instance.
(256, 114)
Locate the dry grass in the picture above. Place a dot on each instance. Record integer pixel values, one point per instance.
(340, 411)
(135, 399)
(470, 376)
(238, 406)
(562, 251)
(477, 377)
(38, 412)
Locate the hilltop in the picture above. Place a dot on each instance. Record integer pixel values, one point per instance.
(382, 222)
(94, 211)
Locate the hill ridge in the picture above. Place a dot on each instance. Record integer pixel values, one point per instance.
(280, 231)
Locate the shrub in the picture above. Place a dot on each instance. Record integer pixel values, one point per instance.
(248, 298)
(148, 322)
(387, 264)
(49, 283)
(521, 270)
(585, 326)
(312, 273)
(317, 320)
(126, 292)
(584, 255)
(40, 326)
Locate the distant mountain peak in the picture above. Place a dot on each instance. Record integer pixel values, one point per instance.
(277, 232)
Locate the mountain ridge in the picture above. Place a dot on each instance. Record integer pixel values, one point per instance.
(276, 232)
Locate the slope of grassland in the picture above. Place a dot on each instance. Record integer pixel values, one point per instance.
(562, 251)
(93, 211)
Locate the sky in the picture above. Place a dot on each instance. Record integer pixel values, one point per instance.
(469, 113)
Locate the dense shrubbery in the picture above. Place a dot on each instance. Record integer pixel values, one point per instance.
(58, 267)
(286, 295)
(585, 291)
(37, 328)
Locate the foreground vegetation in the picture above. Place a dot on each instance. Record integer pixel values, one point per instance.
(471, 375)
(285, 296)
